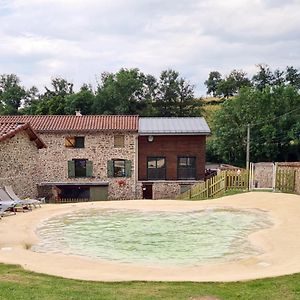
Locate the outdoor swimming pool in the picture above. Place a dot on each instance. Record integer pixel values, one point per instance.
(156, 237)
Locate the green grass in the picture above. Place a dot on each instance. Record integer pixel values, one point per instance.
(18, 284)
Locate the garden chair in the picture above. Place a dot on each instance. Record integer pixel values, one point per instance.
(13, 196)
(4, 197)
(6, 203)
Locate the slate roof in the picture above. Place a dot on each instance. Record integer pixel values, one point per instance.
(9, 129)
(86, 123)
(173, 126)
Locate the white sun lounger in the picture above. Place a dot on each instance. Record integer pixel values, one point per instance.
(4, 207)
(13, 196)
(6, 204)
(5, 198)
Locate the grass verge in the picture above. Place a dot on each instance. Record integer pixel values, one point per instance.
(18, 284)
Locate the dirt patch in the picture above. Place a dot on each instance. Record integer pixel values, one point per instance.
(12, 278)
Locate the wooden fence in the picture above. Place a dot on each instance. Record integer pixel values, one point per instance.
(71, 200)
(285, 180)
(217, 185)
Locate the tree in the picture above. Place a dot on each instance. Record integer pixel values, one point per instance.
(292, 77)
(175, 96)
(81, 101)
(11, 94)
(231, 85)
(53, 101)
(263, 77)
(275, 117)
(120, 93)
(212, 82)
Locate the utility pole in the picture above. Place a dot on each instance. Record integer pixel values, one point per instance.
(248, 147)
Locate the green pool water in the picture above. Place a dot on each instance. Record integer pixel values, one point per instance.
(170, 238)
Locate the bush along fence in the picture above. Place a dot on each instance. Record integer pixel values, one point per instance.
(217, 185)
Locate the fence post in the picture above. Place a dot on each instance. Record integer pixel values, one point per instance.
(274, 176)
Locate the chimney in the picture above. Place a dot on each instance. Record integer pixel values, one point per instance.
(78, 113)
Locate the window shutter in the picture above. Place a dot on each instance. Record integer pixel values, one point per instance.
(71, 168)
(89, 168)
(110, 168)
(128, 168)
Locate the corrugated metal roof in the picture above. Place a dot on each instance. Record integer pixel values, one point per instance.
(167, 126)
(54, 123)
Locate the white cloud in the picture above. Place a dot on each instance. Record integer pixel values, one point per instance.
(80, 39)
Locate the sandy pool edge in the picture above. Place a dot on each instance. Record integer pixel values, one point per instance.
(281, 243)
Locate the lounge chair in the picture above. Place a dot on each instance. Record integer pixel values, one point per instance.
(4, 207)
(6, 204)
(6, 199)
(8, 189)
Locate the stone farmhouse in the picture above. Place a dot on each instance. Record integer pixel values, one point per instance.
(70, 158)
(19, 154)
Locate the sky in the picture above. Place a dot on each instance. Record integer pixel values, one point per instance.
(78, 40)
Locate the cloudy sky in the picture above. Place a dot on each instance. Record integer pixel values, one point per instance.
(76, 39)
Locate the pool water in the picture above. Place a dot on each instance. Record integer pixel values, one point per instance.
(164, 238)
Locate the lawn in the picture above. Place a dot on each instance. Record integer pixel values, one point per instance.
(18, 284)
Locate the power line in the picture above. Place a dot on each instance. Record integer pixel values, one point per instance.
(275, 118)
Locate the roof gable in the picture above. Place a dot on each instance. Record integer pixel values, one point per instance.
(9, 129)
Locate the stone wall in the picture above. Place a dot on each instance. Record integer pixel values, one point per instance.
(99, 148)
(165, 190)
(18, 164)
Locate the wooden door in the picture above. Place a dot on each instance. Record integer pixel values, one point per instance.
(147, 191)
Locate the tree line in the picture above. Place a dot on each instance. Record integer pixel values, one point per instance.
(128, 91)
(230, 85)
(270, 104)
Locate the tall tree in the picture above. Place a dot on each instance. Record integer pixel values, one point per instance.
(176, 96)
(81, 101)
(231, 85)
(53, 100)
(292, 77)
(212, 82)
(120, 93)
(263, 78)
(11, 94)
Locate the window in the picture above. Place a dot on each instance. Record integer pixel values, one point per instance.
(186, 168)
(119, 141)
(80, 168)
(119, 168)
(74, 142)
(156, 168)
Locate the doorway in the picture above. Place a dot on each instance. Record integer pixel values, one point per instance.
(147, 191)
